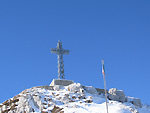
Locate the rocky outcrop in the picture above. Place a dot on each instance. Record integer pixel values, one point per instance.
(101, 91)
(75, 87)
(134, 101)
(57, 110)
(116, 95)
(9, 105)
(90, 89)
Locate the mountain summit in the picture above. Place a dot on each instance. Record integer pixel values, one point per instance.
(71, 98)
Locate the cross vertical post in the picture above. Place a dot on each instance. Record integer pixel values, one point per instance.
(60, 52)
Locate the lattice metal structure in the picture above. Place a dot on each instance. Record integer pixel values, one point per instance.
(60, 52)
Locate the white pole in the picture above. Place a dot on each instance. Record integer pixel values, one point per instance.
(105, 93)
(103, 72)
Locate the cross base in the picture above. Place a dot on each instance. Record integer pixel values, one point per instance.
(61, 82)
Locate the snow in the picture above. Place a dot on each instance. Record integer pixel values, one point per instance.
(144, 109)
(41, 99)
(98, 105)
(34, 107)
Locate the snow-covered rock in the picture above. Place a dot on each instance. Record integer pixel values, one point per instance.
(90, 89)
(116, 95)
(75, 87)
(135, 101)
(56, 87)
(69, 99)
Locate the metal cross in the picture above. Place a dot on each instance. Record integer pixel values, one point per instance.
(60, 51)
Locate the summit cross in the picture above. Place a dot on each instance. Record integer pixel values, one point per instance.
(60, 52)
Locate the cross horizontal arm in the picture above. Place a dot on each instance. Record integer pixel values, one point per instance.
(60, 51)
(65, 52)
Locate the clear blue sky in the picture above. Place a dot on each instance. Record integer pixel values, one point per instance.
(117, 31)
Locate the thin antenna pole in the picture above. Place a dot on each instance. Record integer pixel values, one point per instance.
(103, 72)
(105, 93)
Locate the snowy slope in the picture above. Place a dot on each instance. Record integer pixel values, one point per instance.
(65, 99)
